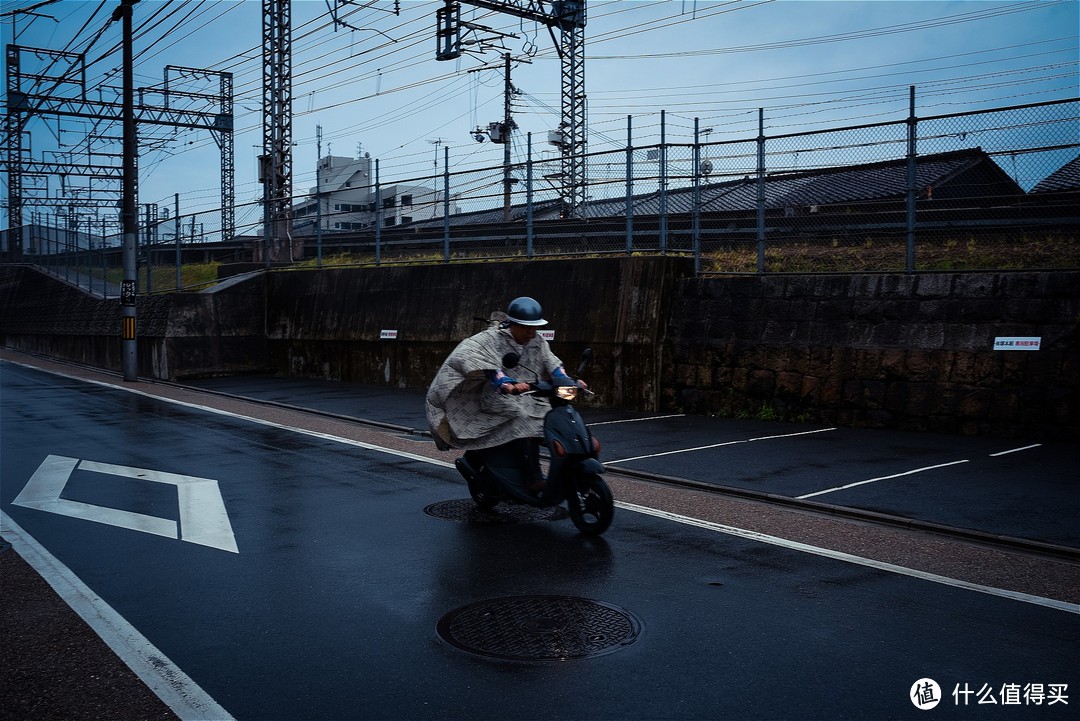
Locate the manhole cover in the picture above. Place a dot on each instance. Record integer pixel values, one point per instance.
(539, 628)
(466, 511)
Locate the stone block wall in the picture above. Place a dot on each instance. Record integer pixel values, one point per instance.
(328, 323)
(900, 351)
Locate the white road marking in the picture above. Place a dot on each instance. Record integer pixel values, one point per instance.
(1015, 450)
(718, 445)
(882, 478)
(174, 687)
(637, 420)
(669, 453)
(849, 558)
(203, 519)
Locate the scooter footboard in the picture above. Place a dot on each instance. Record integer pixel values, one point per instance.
(509, 464)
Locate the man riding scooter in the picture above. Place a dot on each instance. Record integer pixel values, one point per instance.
(472, 402)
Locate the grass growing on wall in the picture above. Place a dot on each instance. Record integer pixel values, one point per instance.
(162, 278)
(1027, 251)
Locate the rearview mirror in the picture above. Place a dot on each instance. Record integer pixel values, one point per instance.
(586, 356)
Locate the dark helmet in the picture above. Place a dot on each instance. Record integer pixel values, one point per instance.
(525, 311)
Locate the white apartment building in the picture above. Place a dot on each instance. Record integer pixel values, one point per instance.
(346, 193)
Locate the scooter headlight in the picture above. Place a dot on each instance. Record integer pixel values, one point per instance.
(567, 393)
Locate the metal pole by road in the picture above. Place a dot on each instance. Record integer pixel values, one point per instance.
(179, 252)
(130, 221)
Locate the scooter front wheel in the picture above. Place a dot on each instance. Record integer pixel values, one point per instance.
(591, 505)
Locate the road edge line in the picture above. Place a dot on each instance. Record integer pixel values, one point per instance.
(174, 687)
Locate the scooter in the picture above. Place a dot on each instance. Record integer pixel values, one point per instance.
(507, 473)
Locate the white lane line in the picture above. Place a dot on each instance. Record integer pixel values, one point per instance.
(637, 420)
(260, 421)
(849, 558)
(882, 478)
(174, 687)
(718, 445)
(1015, 450)
(669, 453)
(792, 435)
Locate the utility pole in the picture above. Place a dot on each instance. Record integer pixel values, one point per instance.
(128, 212)
(569, 17)
(318, 197)
(501, 131)
(508, 179)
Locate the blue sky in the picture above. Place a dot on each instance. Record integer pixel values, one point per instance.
(376, 87)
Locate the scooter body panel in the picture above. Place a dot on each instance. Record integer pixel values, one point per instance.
(566, 426)
(574, 475)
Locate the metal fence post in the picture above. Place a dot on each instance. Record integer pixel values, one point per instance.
(911, 133)
(761, 191)
(446, 203)
(663, 183)
(149, 252)
(528, 196)
(696, 218)
(629, 185)
(378, 216)
(176, 229)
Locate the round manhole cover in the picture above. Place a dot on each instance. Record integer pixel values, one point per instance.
(466, 511)
(539, 628)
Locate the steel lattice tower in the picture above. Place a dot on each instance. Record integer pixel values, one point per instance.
(277, 124)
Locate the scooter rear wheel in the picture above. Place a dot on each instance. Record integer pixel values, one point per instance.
(591, 505)
(482, 498)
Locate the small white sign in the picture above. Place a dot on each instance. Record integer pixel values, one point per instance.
(548, 335)
(1017, 343)
(388, 335)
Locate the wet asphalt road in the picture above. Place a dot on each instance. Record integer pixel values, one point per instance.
(1016, 488)
(307, 577)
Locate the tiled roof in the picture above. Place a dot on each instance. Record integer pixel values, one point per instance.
(877, 181)
(1067, 177)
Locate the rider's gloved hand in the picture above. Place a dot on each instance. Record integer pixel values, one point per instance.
(514, 387)
(559, 376)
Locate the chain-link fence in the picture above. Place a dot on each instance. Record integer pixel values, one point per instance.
(962, 191)
(988, 190)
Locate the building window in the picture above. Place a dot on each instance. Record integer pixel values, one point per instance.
(406, 200)
(406, 219)
(388, 202)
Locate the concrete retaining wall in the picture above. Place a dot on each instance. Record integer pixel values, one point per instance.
(911, 352)
(328, 323)
(179, 334)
